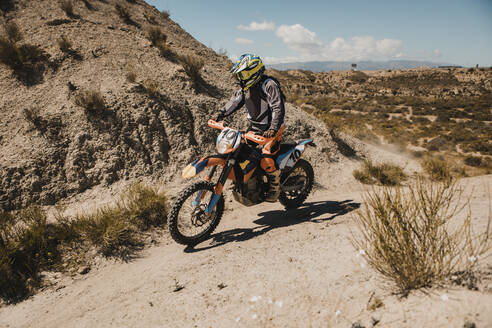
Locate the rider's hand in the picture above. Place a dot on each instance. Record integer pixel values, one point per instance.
(269, 133)
(219, 117)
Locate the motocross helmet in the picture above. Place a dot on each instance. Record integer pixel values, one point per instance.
(248, 70)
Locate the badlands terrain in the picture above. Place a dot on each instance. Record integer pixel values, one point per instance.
(264, 266)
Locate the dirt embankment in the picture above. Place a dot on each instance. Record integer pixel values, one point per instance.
(62, 150)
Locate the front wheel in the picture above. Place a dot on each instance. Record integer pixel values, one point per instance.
(296, 184)
(188, 222)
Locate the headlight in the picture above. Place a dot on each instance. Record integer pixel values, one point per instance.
(223, 145)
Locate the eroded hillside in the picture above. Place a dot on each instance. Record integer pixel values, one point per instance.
(153, 114)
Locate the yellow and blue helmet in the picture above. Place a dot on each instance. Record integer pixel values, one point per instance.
(248, 70)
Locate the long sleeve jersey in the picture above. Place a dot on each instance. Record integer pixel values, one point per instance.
(263, 102)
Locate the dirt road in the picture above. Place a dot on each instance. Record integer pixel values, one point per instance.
(264, 267)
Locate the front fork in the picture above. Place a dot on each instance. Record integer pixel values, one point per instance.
(220, 183)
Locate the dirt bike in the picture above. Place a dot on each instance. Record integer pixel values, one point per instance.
(197, 210)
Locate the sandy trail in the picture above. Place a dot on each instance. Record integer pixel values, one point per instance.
(264, 267)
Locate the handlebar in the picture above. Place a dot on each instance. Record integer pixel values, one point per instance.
(250, 135)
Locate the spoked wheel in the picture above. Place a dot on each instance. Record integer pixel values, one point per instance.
(188, 222)
(297, 184)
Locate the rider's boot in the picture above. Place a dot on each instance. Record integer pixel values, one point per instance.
(274, 186)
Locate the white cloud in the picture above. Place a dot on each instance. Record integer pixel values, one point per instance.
(309, 47)
(437, 53)
(244, 41)
(255, 26)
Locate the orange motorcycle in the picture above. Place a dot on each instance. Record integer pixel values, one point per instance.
(198, 209)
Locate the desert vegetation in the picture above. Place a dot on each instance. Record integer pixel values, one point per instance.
(64, 44)
(192, 66)
(28, 62)
(382, 173)
(443, 112)
(30, 243)
(92, 101)
(421, 236)
(67, 7)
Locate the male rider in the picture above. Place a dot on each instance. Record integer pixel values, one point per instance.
(265, 110)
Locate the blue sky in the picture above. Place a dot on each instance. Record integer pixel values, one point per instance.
(451, 31)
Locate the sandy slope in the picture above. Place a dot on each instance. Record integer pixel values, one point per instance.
(264, 268)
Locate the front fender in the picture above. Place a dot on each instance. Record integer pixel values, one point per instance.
(199, 165)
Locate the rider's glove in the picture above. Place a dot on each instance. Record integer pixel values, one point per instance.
(269, 133)
(219, 117)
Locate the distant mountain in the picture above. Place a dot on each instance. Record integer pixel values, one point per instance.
(323, 66)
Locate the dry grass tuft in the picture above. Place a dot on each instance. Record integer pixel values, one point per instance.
(151, 88)
(123, 12)
(32, 116)
(192, 66)
(28, 244)
(165, 14)
(13, 32)
(437, 169)
(65, 44)
(407, 237)
(67, 7)
(92, 101)
(382, 173)
(164, 50)
(156, 36)
(131, 74)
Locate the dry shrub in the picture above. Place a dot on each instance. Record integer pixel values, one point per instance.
(192, 66)
(116, 230)
(92, 101)
(164, 50)
(29, 245)
(413, 236)
(165, 14)
(382, 173)
(123, 12)
(89, 5)
(151, 88)
(145, 206)
(437, 169)
(474, 161)
(131, 74)
(28, 62)
(64, 44)
(156, 36)
(32, 116)
(13, 32)
(67, 7)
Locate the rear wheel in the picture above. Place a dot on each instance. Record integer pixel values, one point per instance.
(296, 184)
(188, 222)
